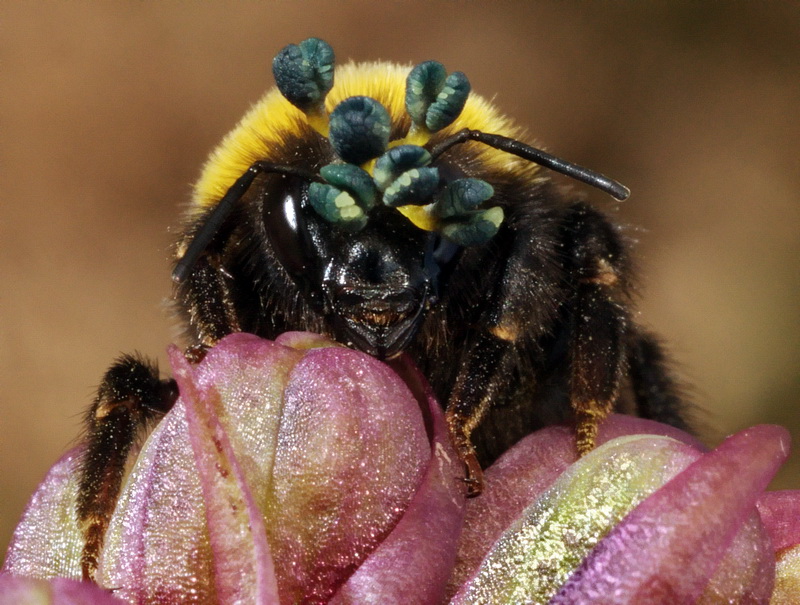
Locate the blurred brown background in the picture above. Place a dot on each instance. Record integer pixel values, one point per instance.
(109, 110)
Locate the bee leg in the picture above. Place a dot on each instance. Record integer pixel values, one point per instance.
(599, 321)
(475, 388)
(130, 397)
(656, 392)
(521, 307)
(597, 361)
(210, 311)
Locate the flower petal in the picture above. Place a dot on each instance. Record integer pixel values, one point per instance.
(243, 569)
(780, 512)
(512, 483)
(787, 577)
(413, 563)
(305, 340)
(157, 544)
(746, 572)
(352, 450)
(47, 542)
(618, 425)
(330, 443)
(520, 476)
(669, 546)
(540, 550)
(58, 591)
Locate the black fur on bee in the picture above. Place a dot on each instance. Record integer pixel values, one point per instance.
(398, 213)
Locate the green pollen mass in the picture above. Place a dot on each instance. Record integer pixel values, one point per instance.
(416, 187)
(353, 179)
(449, 102)
(351, 212)
(359, 129)
(344, 199)
(336, 206)
(433, 99)
(396, 161)
(477, 229)
(462, 196)
(304, 73)
(422, 85)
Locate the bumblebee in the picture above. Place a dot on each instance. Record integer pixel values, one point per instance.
(396, 212)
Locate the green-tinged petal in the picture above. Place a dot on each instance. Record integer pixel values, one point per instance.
(669, 547)
(158, 540)
(48, 541)
(243, 567)
(524, 472)
(787, 577)
(547, 543)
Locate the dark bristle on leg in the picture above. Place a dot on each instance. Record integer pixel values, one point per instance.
(130, 396)
(656, 392)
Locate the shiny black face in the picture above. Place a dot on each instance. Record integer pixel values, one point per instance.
(373, 286)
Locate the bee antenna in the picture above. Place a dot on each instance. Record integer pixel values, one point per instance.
(526, 152)
(215, 219)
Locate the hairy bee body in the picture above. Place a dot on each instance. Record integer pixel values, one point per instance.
(396, 213)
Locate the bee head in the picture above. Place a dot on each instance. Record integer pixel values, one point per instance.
(367, 233)
(372, 285)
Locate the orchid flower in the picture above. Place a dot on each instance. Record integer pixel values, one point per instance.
(299, 471)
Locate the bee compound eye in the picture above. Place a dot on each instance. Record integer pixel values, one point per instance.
(284, 222)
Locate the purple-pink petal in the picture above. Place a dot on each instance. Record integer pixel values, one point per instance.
(539, 551)
(329, 443)
(619, 425)
(746, 571)
(413, 563)
(523, 473)
(16, 590)
(780, 512)
(667, 549)
(318, 474)
(352, 450)
(243, 569)
(47, 542)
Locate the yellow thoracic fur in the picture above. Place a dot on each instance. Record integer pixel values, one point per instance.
(272, 118)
